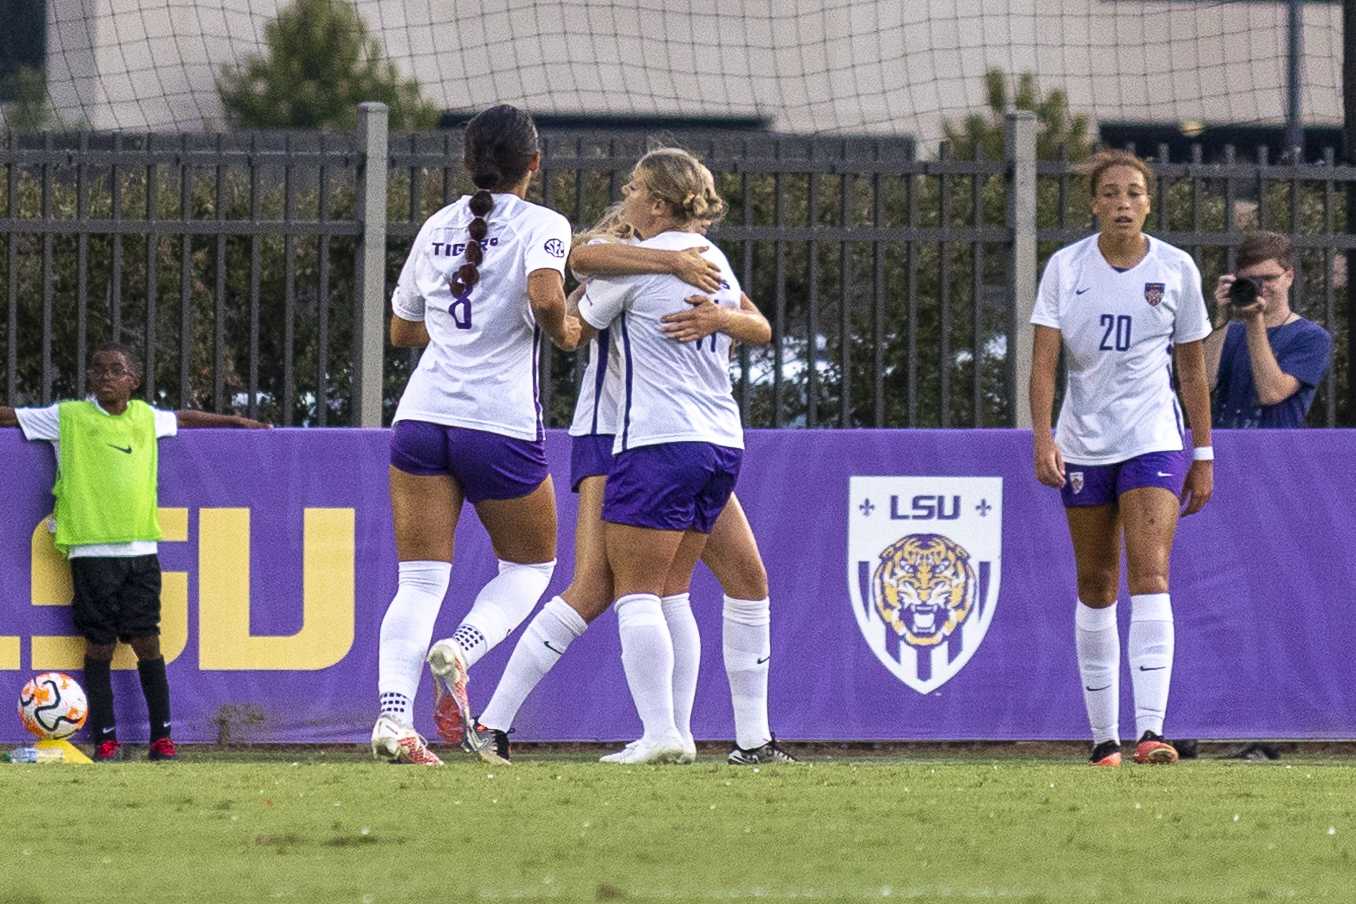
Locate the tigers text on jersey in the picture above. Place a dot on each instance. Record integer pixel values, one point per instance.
(480, 368)
(1118, 330)
(671, 391)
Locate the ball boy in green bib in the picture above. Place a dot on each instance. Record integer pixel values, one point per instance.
(107, 524)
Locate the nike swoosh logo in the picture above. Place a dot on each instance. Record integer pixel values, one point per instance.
(1157, 668)
(128, 450)
(107, 731)
(1164, 474)
(548, 646)
(1086, 688)
(1081, 291)
(764, 659)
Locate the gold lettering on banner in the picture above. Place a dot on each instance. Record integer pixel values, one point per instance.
(326, 634)
(50, 585)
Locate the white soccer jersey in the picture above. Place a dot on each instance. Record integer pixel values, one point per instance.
(480, 368)
(1118, 330)
(671, 391)
(595, 408)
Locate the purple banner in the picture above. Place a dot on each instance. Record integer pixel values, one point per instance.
(922, 588)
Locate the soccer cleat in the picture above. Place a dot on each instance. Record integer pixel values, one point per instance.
(663, 750)
(688, 756)
(770, 753)
(451, 707)
(1155, 751)
(395, 743)
(108, 752)
(619, 756)
(162, 749)
(490, 744)
(1107, 753)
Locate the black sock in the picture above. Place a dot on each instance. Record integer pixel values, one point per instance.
(155, 686)
(99, 693)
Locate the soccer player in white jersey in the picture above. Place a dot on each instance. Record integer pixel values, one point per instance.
(732, 552)
(1124, 306)
(679, 440)
(484, 275)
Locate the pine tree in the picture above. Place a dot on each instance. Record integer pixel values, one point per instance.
(320, 63)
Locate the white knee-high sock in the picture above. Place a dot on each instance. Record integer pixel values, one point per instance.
(406, 630)
(1151, 645)
(501, 606)
(647, 657)
(544, 641)
(687, 658)
(746, 643)
(1099, 662)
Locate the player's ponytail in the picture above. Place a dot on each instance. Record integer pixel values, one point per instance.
(499, 149)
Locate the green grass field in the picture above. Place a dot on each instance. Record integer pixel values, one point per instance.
(329, 828)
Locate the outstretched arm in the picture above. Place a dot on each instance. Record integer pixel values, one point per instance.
(616, 259)
(190, 418)
(706, 317)
(7, 417)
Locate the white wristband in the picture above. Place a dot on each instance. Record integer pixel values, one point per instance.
(1203, 453)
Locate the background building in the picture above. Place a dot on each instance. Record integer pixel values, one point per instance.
(872, 66)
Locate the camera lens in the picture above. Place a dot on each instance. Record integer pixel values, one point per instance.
(1244, 291)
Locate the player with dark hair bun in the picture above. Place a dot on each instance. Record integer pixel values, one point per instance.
(485, 275)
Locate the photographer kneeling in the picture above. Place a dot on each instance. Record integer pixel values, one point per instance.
(1265, 361)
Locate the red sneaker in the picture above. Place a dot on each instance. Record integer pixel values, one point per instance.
(1154, 751)
(162, 749)
(451, 707)
(108, 752)
(1107, 753)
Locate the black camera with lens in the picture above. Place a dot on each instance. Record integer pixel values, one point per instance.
(1243, 291)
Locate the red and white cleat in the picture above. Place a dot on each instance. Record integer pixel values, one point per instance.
(396, 743)
(1154, 751)
(451, 706)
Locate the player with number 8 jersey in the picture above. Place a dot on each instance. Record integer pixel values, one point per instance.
(484, 276)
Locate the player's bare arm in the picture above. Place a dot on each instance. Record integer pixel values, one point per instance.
(1200, 480)
(705, 317)
(616, 259)
(7, 417)
(546, 294)
(408, 333)
(1044, 361)
(189, 419)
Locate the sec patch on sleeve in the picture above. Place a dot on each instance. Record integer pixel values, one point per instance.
(555, 247)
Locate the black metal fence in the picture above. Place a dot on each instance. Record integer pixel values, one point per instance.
(898, 288)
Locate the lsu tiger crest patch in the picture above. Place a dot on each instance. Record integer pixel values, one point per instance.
(924, 556)
(1153, 293)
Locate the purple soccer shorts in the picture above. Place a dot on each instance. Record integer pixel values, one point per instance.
(486, 465)
(671, 486)
(1087, 485)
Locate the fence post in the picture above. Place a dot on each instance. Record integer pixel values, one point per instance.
(369, 313)
(1020, 152)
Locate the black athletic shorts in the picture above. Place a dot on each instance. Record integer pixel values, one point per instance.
(116, 598)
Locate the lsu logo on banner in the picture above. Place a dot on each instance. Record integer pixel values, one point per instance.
(923, 567)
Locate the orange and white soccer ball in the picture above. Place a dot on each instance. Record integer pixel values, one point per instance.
(52, 705)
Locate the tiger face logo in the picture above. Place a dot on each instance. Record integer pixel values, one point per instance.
(924, 588)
